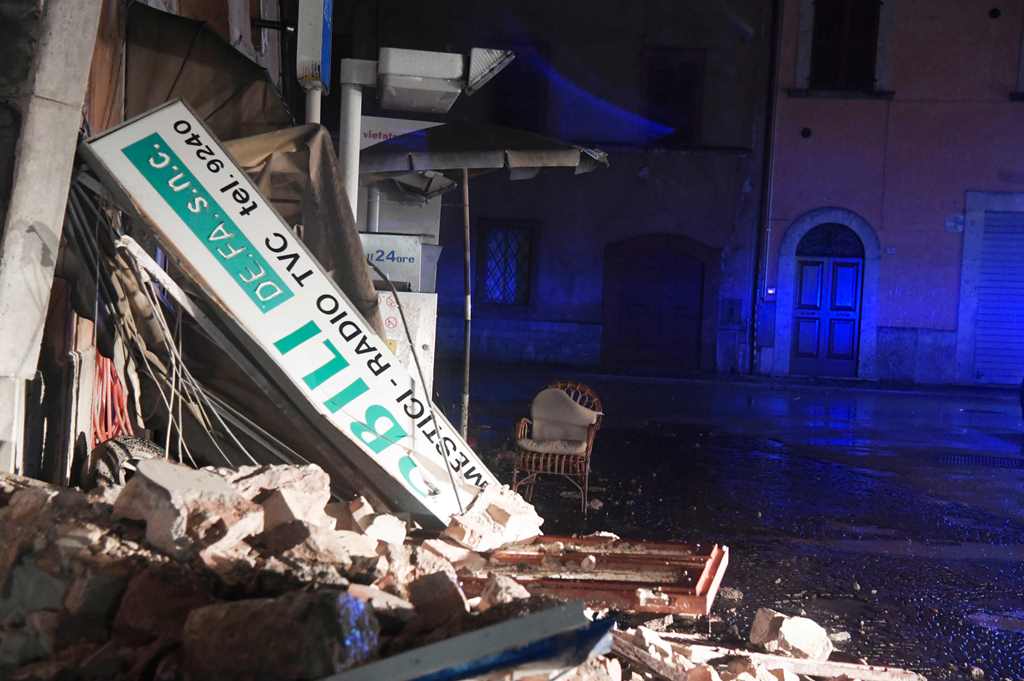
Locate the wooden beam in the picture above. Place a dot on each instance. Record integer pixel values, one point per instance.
(623, 646)
(700, 653)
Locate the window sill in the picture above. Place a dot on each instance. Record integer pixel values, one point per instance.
(803, 93)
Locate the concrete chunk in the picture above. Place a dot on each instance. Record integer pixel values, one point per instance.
(157, 602)
(459, 556)
(500, 589)
(286, 493)
(354, 555)
(186, 510)
(795, 636)
(438, 598)
(496, 517)
(391, 611)
(301, 635)
(386, 528)
(702, 672)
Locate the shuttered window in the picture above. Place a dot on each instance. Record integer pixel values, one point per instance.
(999, 327)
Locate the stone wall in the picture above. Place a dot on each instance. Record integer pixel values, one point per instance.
(522, 341)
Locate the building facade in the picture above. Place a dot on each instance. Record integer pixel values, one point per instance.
(645, 266)
(894, 248)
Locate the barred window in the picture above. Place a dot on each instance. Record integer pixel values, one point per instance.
(504, 265)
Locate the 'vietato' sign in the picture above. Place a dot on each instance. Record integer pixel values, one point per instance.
(209, 215)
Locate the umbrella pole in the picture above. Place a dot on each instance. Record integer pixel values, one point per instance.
(468, 320)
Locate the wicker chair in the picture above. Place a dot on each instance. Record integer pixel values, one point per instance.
(567, 458)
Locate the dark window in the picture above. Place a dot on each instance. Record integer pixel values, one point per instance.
(675, 92)
(831, 240)
(845, 44)
(503, 272)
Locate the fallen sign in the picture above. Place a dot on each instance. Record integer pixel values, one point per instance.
(173, 173)
(607, 572)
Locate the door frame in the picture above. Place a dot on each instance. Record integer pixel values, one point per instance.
(711, 258)
(867, 345)
(976, 203)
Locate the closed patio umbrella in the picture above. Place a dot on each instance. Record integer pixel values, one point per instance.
(429, 161)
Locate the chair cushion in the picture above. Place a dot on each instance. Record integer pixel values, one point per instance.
(577, 447)
(556, 416)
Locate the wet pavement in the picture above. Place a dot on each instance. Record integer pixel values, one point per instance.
(894, 516)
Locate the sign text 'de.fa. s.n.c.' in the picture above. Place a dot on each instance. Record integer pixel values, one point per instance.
(207, 213)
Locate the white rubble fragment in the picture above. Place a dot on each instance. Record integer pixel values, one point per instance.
(458, 556)
(703, 672)
(784, 674)
(284, 506)
(187, 511)
(840, 637)
(355, 554)
(653, 644)
(604, 534)
(361, 512)
(496, 517)
(647, 597)
(286, 493)
(588, 563)
(500, 589)
(795, 636)
(383, 603)
(386, 528)
(746, 669)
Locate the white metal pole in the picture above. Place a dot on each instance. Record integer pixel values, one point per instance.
(349, 131)
(313, 95)
(373, 209)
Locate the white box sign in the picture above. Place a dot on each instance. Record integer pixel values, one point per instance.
(397, 255)
(421, 315)
(209, 215)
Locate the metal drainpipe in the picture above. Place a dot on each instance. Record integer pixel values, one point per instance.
(468, 321)
(764, 227)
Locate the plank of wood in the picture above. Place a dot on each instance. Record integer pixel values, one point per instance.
(623, 646)
(821, 668)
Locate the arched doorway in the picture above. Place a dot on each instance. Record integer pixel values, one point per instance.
(827, 308)
(826, 313)
(658, 291)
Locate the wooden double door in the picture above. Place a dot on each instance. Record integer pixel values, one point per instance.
(826, 316)
(653, 295)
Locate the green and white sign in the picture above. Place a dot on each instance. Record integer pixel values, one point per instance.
(207, 212)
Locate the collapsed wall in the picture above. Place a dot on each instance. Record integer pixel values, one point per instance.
(224, 573)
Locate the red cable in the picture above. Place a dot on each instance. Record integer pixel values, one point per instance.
(110, 405)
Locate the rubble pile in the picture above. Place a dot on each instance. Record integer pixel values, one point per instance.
(187, 575)
(229, 574)
(782, 648)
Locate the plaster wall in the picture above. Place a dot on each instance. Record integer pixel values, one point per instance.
(905, 164)
(595, 58)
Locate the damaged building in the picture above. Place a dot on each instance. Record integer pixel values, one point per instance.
(238, 234)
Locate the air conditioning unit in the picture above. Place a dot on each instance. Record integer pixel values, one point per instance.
(414, 80)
